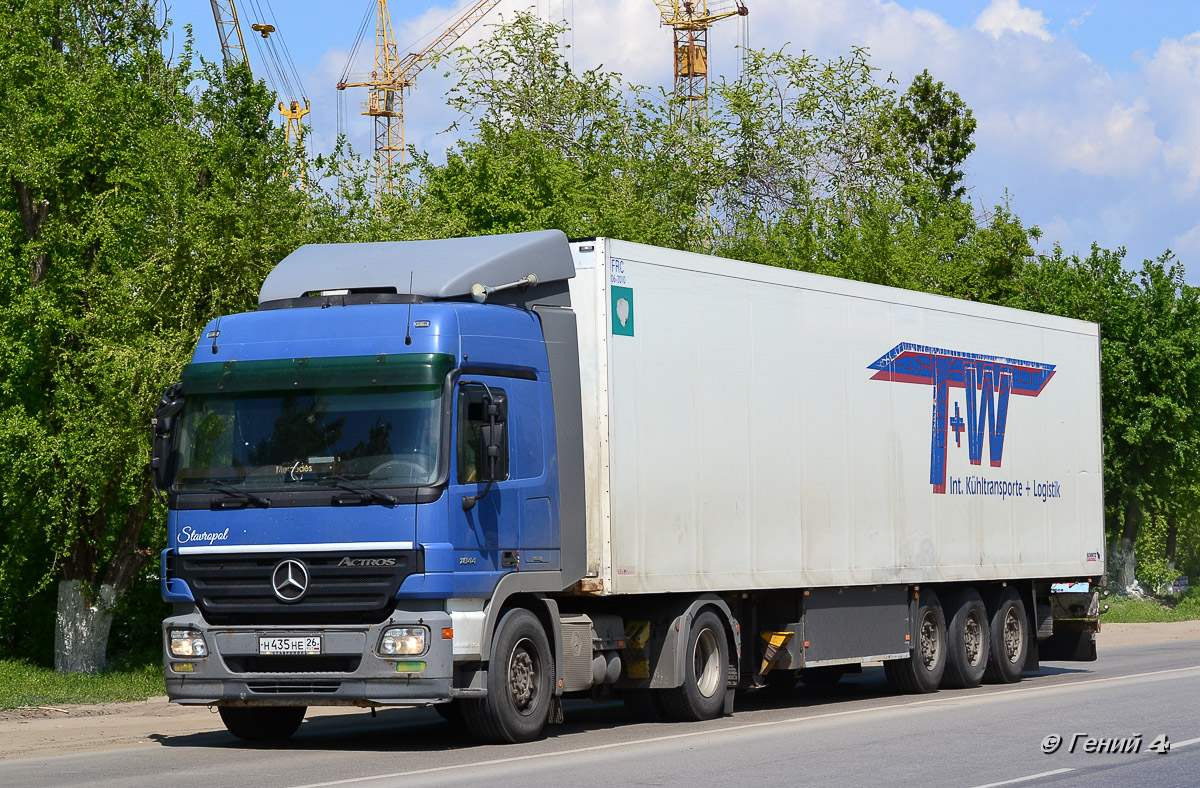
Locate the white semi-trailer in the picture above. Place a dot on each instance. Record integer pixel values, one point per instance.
(489, 472)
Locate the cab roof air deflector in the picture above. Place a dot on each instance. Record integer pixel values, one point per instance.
(443, 269)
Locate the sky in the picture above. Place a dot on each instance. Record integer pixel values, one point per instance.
(1088, 111)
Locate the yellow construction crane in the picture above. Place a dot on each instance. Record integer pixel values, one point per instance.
(690, 22)
(393, 75)
(234, 51)
(225, 14)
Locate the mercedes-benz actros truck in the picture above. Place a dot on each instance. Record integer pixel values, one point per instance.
(486, 473)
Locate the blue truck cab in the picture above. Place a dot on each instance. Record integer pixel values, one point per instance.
(358, 472)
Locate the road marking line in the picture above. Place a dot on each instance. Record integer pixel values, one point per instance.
(1026, 779)
(950, 698)
(1046, 687)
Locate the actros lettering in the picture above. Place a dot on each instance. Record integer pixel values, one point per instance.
(987, 381)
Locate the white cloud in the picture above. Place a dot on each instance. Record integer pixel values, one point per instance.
(1187, 245)
(1087, 154)
(1007, 16)
(1056, 230)
(1078, 21)
(1172, 80)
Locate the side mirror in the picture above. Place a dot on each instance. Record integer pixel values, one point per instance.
(493, 446)
(164, 421)
(494, 451)
(493, 439)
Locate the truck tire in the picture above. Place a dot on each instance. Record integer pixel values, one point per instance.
(1010, 638)
(262, 723)
(968, 637)
(701, 696)
(922, 671)
(520, 683)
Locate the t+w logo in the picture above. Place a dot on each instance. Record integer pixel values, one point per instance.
(987, 381)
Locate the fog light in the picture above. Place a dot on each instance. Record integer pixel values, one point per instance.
(402, 641)
(187, 643)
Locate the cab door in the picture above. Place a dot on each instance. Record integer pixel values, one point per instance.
(485, 513)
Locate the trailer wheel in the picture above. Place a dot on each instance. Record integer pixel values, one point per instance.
(969, 640)
(520, 683)
(701, 696)
(1010, 638)
(922, 671)
(262, 723)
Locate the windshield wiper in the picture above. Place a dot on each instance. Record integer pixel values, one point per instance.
(356, 487)
(248, 497)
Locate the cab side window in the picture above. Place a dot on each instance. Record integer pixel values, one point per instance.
(473, 416)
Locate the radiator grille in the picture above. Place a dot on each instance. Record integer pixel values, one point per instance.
(293, 664)
(293, 687)
(237, 590)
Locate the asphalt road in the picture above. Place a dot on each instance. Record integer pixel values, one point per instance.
(859, 735)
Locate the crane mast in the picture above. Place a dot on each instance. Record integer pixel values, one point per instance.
(234, 51)
(393, 75)
(228, 29)
(690, 22)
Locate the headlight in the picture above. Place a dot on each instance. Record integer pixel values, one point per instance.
(187, 643)
(402, 640)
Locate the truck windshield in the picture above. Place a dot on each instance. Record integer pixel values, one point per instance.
(384, 433)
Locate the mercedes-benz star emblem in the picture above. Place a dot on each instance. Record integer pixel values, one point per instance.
(290, 580)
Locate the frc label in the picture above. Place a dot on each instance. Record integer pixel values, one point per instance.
(987, 383)
(622, 311)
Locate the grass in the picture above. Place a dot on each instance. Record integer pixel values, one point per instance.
(1128, 610)
(25, 684)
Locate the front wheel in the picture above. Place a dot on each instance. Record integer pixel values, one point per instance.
(520, 683)
(262, 723)
(701, 696)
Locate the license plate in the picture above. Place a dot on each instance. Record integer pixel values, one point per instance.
(290, 645)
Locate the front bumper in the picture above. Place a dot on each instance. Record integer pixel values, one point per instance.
(347, 673)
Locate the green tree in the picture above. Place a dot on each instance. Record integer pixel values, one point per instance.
(1150, 379)
(134, 211)
(935, 127)
(830, 171)
(552, 147)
